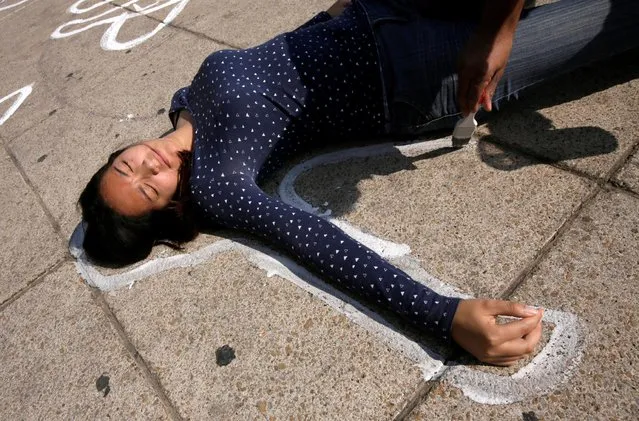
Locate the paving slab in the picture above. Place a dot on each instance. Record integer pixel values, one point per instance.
(293, 356)
(469, 224)
(245, 23)
(28, 27)
(144, 89)
(628, 176)
(584, 120)
(592, 272)
(30, 244)
(80, 60)
(57, 349)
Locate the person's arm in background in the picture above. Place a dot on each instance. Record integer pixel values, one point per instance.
(481, 66)
(484, 58)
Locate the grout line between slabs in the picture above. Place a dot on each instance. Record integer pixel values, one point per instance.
(613, 186)
(548, 245)
(600, 184)
(619, 185)
(410, 403)
(150, 376)
(190, 31)
(36, 281)
(204, 36)
(54, 223)
(527, 153)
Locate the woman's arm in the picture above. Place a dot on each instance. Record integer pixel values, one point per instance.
(484, 59)
(237, 202)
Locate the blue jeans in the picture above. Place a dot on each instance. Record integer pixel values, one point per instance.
(418, 54)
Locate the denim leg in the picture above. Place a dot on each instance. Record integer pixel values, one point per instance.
(555, 39)
(550, 40)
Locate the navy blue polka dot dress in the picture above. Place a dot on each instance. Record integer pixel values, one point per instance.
(254, 108)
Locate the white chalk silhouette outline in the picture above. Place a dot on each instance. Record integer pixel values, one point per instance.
(550, 368)
(22, 94)
(116, 21)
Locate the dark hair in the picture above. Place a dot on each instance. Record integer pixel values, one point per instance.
(115, 240)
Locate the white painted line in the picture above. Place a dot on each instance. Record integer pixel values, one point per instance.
(22, 94)
(10, 5)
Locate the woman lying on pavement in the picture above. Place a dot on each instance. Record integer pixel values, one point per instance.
(365, 70)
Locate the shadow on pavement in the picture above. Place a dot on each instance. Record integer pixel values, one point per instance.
(518, 124)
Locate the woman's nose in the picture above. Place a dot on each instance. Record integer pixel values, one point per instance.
(152, 165)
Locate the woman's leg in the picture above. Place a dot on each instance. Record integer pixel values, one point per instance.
(560, 37)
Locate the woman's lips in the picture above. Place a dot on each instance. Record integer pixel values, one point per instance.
(161, 157)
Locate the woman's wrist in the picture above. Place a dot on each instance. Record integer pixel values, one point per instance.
(500, 17)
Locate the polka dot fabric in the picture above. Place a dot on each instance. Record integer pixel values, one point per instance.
(254, 108)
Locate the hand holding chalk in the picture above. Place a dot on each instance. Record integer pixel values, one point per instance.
(475, 329)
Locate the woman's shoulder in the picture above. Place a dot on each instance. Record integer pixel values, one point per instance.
(179, 102)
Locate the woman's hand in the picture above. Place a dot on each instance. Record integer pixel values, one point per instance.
(476, 330)
(481, 66)
(338, 7)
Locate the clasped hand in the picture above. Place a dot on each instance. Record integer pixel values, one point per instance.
(475, 328)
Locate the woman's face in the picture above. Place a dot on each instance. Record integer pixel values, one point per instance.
(144, 177)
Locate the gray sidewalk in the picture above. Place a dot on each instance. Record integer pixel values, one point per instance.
(544, 208)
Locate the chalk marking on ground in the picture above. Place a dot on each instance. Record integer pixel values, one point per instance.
(116, 17)
(550, 368)
(11, 5)
(556, 361)
(22, 94)
(430, 363)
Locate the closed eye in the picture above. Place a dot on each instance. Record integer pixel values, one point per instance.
(123, 171)
(154, 189)
(145, 194)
